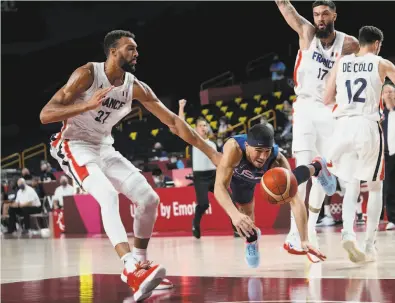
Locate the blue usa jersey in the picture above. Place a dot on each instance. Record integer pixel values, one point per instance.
(246, 171)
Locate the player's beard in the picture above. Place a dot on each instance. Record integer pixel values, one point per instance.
(324, 33)
(129, 68)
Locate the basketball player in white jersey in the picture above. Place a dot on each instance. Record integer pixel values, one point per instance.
(357, 147)
(94, 99)
(319, 44)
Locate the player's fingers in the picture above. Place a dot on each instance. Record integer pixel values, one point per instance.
(240, 232)
(317, 253)
(246, 228)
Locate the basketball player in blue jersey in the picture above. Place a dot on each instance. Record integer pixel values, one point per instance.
(244, 161)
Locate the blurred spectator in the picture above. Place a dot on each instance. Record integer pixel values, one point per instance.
(287, 110)
(158, 152)
(46, 174)
(26, 175)
(263, 120)
(37, 186)
(26, 203)
(175, 163)
(277, 69)
(223, 132)
(160, 179)
(65, 189)
(5, 203)
(388, 96)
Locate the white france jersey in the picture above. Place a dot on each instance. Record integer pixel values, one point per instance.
(358, 86)
(95, 126)
(312, 67)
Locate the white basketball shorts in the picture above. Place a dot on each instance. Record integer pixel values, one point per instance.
(312, 126)
(73, 156)
(357, 149)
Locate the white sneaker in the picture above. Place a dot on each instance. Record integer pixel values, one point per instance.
(370, 253)
(390, 226)
(313, 241)
(326, 221)
(292, 244)
(349, 243)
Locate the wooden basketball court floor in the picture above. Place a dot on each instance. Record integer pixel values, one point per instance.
(211, 269)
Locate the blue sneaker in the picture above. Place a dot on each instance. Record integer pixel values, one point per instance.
(252, 252)
(325, 178)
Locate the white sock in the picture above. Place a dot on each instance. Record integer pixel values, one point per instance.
(349, 205)
(139, 254)
(359, 206)
(316, 199)
(129, 262)
(375, 205)
(302, 158)
(327, 210)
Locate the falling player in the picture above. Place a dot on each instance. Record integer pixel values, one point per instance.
(357, 147)
(94, 99)
(319, 44)
(245, 159)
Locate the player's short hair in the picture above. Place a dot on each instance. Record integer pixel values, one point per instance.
(200, 119)
(111, 39)
(328, 3)
(389, 84)
(369, 34)
(262, 134)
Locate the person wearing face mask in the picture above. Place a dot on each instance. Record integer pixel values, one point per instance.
(26, 203)
(46, 174)
(277, 68)
(65, 189)
(26, 175)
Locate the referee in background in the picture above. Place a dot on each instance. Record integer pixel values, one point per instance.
(388, 96)
(203, 171)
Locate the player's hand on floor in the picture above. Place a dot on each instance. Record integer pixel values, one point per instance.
(98, 97)
(243, 224)
(308, 248)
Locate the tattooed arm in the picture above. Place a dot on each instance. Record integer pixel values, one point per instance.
(298, 23)
(350, 46)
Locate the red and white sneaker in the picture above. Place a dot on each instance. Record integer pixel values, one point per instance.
(164, 284)
(144, 279)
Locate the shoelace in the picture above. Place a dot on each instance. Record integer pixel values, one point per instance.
(251, 248)
(142, 267)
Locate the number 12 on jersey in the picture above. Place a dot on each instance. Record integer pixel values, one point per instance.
(356, 97)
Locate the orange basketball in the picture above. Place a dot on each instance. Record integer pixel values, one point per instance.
(279, 185)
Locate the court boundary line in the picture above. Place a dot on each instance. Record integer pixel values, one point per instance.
(293, 301)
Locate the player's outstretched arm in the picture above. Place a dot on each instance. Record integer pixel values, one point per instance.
(330, 92)
(181, 112)
(231, 157)
(61, 106)
(178, 126)
(298, 23)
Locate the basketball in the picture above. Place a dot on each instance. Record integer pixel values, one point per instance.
(279, 185)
